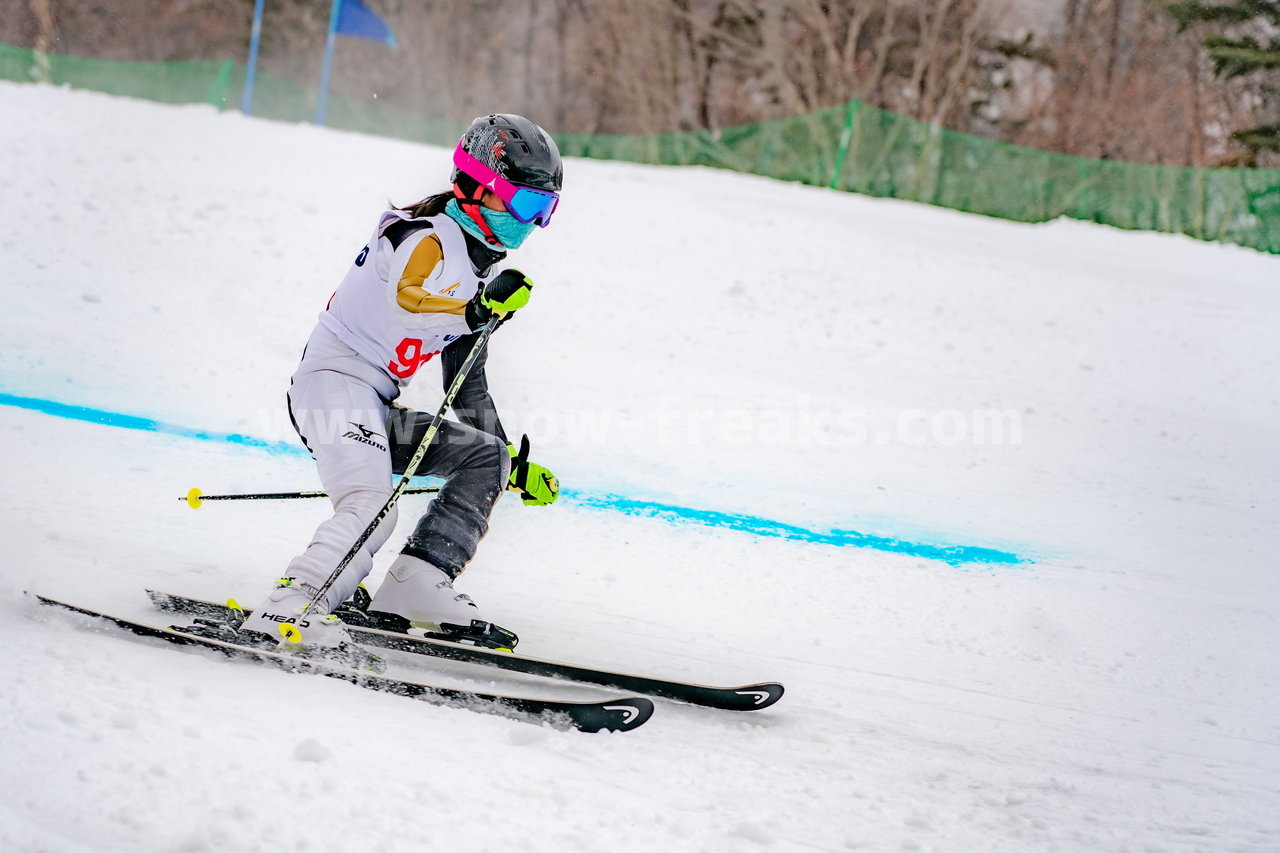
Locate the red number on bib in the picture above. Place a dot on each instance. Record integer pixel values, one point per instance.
(411, 358)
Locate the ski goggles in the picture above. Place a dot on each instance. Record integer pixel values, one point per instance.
(524, 203)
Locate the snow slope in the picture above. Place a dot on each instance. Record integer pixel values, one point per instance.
(1101, 404)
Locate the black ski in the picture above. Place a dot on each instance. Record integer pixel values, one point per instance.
(748, 697)
(622, 714)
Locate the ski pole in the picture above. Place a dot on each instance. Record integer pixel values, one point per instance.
(195, 497)
(290, 631)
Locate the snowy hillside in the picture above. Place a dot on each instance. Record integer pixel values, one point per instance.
(998, 503)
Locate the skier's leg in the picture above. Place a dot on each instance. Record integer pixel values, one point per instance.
(475, 466)
(340, 420)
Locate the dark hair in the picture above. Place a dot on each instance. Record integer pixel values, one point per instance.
(432, 205)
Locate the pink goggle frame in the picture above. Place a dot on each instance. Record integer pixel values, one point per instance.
(524, 203)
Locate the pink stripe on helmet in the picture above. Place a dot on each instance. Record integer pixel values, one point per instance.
(504, 189)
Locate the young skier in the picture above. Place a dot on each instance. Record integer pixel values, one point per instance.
(425, 283)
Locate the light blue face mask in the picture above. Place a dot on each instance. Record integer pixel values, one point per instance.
(511, 231)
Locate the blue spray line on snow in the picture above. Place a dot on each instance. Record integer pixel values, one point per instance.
(115, 419)
(952, 554)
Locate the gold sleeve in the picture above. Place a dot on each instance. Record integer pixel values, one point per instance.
(410, 293)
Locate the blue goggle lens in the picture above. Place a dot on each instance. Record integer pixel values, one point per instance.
(529, 205)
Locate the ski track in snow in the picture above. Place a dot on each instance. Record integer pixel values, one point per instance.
(699, 338)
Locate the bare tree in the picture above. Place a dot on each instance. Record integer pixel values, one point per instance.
(45, 36)
(1099, 78)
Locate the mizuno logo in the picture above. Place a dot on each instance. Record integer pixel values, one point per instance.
(364, 436)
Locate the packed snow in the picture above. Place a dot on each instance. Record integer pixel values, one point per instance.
(1102, 404)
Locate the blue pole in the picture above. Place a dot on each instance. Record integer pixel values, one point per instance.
(328, 59)
(246, 102)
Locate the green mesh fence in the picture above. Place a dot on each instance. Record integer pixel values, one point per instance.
(854, 147)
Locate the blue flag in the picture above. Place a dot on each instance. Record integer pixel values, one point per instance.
(356, 20)
(349, 18)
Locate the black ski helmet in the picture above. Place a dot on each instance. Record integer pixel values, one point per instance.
(515, 148)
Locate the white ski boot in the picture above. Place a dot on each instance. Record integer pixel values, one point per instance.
(416, 594)
(285, 618)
